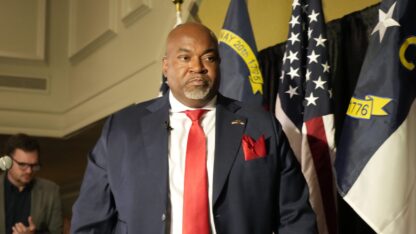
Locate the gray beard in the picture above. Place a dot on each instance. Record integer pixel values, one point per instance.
(197, 94)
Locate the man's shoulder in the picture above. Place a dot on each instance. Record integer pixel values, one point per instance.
(242, 107)
(138, 108)
(45, 183)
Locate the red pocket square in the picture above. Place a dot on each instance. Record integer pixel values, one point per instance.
(253, 149)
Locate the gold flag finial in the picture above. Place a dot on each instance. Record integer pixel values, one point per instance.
(178, 11)
(177, 4)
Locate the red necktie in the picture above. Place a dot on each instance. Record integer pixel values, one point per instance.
(195, 197)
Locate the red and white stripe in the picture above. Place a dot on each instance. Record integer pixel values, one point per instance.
(314, 148)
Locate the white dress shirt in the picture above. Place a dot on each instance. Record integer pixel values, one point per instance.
(178, 138)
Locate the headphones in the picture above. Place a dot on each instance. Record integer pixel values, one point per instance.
(5, 162)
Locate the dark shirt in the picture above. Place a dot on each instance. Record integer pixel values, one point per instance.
(17, 205)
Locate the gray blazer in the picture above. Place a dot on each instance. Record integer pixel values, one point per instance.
(46, 209)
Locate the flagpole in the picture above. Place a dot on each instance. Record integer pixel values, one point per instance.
(178, 4)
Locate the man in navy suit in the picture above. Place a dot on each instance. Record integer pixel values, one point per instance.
(134, 181)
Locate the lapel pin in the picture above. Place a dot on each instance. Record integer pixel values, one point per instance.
(238, 122)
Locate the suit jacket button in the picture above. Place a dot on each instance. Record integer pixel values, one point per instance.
(163, 218)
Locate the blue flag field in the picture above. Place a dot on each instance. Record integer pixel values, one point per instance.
(241, 78)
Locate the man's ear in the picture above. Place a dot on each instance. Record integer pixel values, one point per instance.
(165, 66)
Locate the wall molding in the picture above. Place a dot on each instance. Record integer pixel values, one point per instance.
(78, 115)
(39, 53)
(80, 48)
(133, 10)
(92, 46)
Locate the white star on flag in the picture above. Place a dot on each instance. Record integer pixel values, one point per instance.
(292, 56)
(319, 83)
(293, 73)
(294, 21)
(294, 38)
(311, 100)
(385, 20)
(313, 57)
(295, 3)
(292, 91)
(326, 66)
(313, 16)
(320, 41)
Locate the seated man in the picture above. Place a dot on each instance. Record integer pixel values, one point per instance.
(27, 204)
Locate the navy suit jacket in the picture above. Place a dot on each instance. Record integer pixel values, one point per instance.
(126, 185)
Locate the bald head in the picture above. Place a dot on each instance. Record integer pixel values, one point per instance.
(191, 64)
(191, 28)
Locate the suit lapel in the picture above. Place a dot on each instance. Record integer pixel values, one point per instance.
(35, 203)
(155, 132)
(227, 142)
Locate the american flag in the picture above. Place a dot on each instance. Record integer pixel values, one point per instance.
(303, 107)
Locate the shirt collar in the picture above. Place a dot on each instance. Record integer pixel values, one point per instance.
(177, 106)
(12, 187)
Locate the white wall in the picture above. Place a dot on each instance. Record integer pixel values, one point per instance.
(96, 56)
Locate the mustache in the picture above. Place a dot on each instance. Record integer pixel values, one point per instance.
(198, 77)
